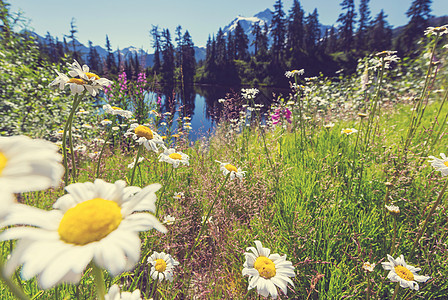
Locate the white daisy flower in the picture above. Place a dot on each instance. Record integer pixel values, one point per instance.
(348, 131)
(249, 93)
(144, 135)
(329, 125)
(440, 164)
(368, 267)
(94, 155)
(132, 164)
(290, 74)
(441, 30)
(169, 220)
(78, 85)
(29, 165)
(393, 209)
(93, 82)
(403, 273)
(227, 168)
(221, 100)
(179, 195)
(162, 266)
(59, 134)
(94, 222)
(115, 294)
(82, 112)
(114, 110)
(209, 220)
(106, 122)
(266, 271)
(174, 157)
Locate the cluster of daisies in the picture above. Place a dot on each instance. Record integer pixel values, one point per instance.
(93, 223)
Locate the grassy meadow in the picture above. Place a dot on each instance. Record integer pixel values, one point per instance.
(320, 165)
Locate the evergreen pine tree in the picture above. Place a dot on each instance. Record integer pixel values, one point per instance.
(380, 34)
(419, 12)
(347, 21)
(278, 32)
(312, 32)
(241, 43)
(178, 39)
(168, 63)
(220, 48)
(72, 37)
(231, 50)
(256, 32)
(262, 54)
(188, 60)
(93, 58)
(295, 32)
(156, 44)
(111, 68)
(363, 28)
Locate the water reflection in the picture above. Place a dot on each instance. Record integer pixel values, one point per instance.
(200, 103)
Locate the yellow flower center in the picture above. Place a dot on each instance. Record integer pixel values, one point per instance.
(265, 267)
(116, 108)
(160, 265)
(175, 156)
(231, 168)
(404, 273)
(77, 81)
(89, 221)
(348, 131)
(90, 75)
(143, 131)
(445, 163)
(3, 161)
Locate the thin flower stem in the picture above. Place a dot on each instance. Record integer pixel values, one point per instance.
(445, 97)
(433, 208)
(135, 164)
(394, 238)
(64, 138)
(374, 104)
(415, 113)
(397, 287)
(154, 288)
(196, 241)
(14, 288)
(368, 286)
(98, 278)
(163, 191)
(104, 146)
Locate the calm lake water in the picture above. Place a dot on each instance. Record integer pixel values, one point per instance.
(202, 106)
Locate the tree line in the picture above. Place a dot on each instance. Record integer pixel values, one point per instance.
(294, 40)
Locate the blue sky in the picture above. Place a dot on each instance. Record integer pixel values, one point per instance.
(128, 22)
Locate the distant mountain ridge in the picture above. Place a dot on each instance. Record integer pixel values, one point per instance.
(262, 18)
